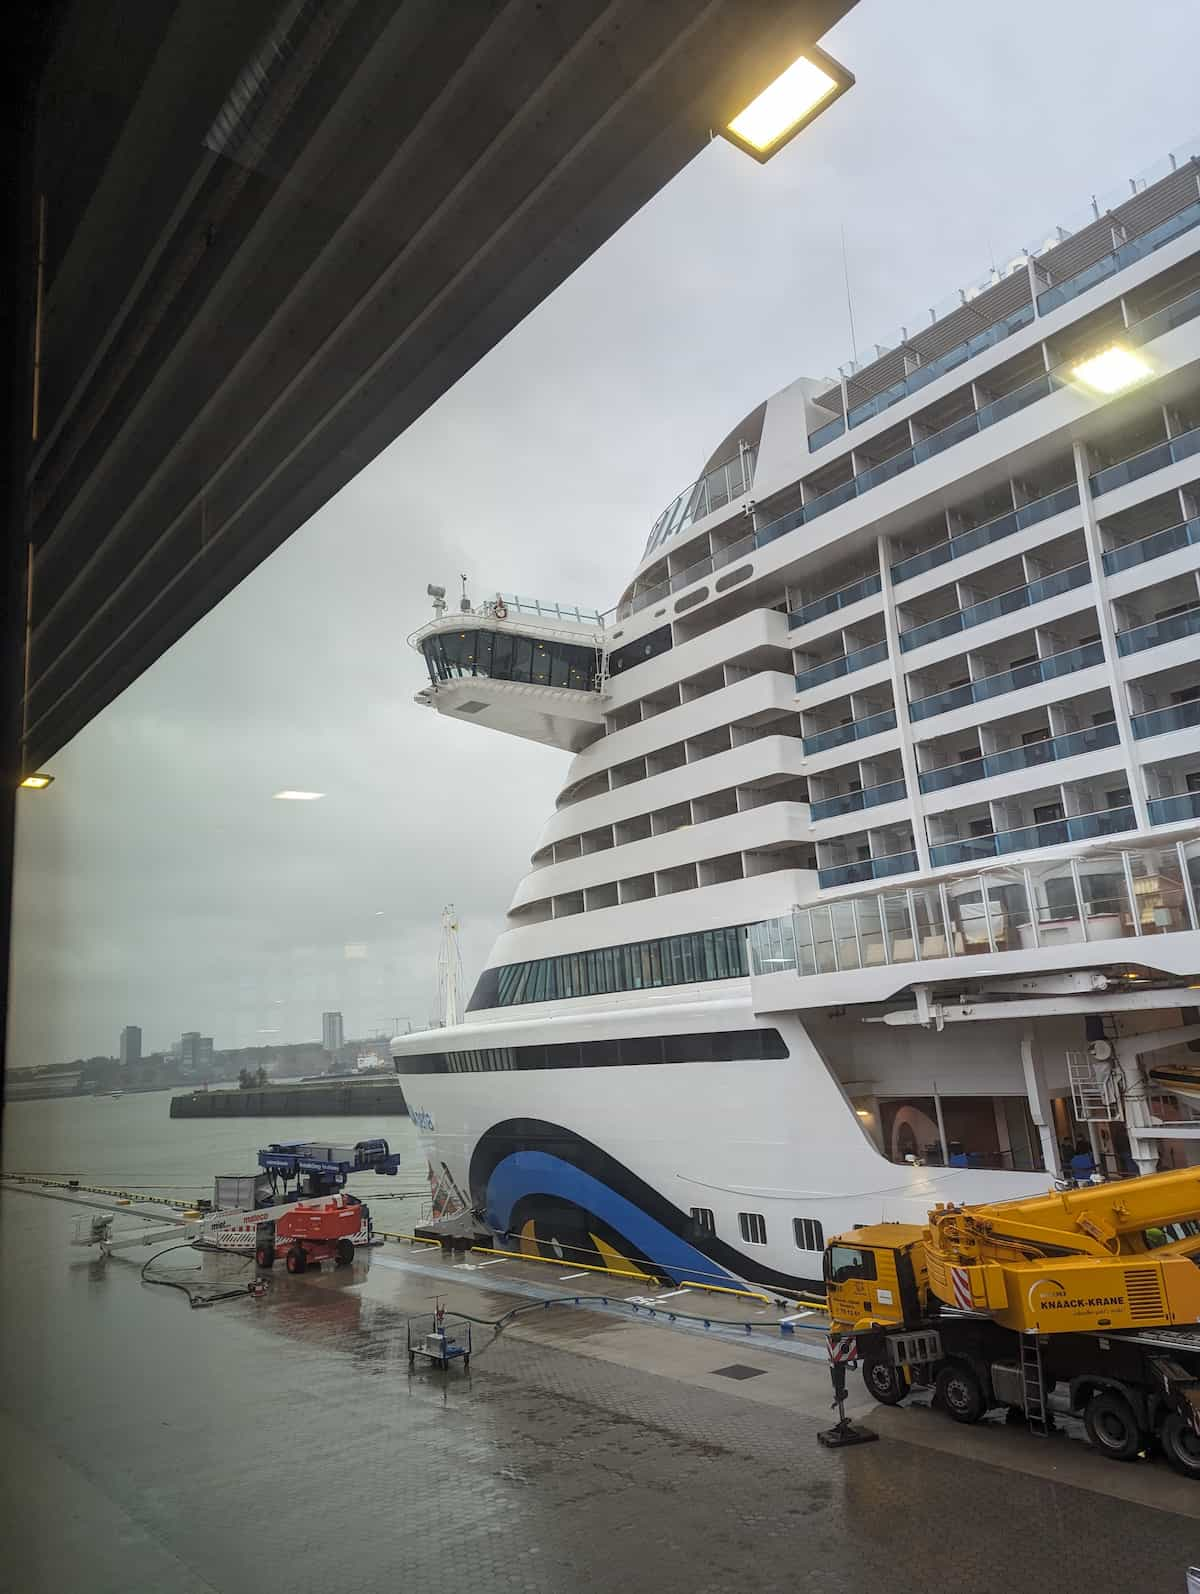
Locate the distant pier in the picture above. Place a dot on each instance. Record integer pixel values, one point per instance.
(340, 1097)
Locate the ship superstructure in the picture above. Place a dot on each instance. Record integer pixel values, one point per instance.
(874, 878)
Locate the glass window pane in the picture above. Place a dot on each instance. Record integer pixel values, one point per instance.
(870, 931)
(844, 935)
(1009, 908)
(897, 928)
(968, 918)
(806, 962)
(931, 932)
(1158, 891)
(823, 940)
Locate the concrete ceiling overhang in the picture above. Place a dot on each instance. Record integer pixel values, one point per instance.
(274, 239)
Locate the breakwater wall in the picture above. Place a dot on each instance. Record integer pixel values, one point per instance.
(291, 1101)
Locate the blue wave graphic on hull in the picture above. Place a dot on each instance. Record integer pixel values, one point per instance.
(531, 1173)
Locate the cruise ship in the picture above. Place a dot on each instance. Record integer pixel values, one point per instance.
(874, 880)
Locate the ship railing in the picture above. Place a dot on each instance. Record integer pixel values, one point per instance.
(1105, 894)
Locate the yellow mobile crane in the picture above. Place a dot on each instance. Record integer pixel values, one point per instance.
(1094, 1291)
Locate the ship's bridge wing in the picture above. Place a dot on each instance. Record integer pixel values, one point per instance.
(522, 666)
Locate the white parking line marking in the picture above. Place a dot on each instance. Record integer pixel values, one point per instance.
(563, 1276)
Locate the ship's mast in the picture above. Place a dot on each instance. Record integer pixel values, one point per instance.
(450, 969)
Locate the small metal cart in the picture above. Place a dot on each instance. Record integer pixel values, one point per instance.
(439, 1340)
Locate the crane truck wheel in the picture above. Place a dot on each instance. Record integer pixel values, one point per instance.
(297, 1261)
(1180, 1445)
(885, 1383)
(1112, 1426)
(960, 1391)
(265, 1256)
(344, 1251)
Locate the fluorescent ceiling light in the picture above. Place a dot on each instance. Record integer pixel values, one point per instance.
(1112, 371)
(799, 93)
(37, 782)
(298, 796)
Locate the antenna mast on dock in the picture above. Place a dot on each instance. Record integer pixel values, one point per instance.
(450, 969)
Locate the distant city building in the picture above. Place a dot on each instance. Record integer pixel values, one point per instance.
(195, 1052)
(131, 1045)
(333, 1036)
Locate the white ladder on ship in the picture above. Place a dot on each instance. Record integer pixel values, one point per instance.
(1094, 1093)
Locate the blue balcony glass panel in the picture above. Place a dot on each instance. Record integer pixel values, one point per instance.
(1145, 463)
(983, 536)
(1127, 253)
(832, 499)
(846, 665)
(1029, 756)
(994, 608)
(1158, 632)
(1166, 319)
(854, 802)
(1055, 833)
(833, 601)
(1158, 721)
(1058, 664)
(847, 874)
(778, 528)
(838, 735)
(1154, 546)
(929, 372)
(825, 434)
(1174, 810)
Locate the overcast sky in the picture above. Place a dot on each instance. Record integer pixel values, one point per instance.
(157, 883)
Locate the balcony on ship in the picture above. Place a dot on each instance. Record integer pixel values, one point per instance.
(838, 588)
(1165, 711)
(865, 855)
(986, 518)
(857, 787)
(1028, 740)
(1061, 912)
(1157, 616)
(1006, 587)
(1029, 659)
(842, 653)
(1127, 449)
(1173, 787)
(846, 719)
(1050, 816)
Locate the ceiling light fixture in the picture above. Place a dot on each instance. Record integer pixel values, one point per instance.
(786, 106)
(37, 782)
(298, 796)
(1112, 371)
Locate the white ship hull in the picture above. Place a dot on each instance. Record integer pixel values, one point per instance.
(605, 1165)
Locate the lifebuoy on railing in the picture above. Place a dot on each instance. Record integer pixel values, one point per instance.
(500, 609)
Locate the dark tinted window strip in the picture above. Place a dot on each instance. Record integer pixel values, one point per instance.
(638, 965)
(722, 1046)
(646, 647)
(502, 656)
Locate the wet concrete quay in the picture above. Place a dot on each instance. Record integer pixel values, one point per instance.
(282, 1445)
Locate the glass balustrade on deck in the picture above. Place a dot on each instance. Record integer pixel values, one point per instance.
(1173, 629)
(982, 536)
(1175, 810)
(848, 874)
(853, 802)
(994, 608)
(1021, 675)
(847, 664)
(1027, 838)
(1107, 894)
(1158, 721)
(1030, 756)
(855, 731)
(1158, 543)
